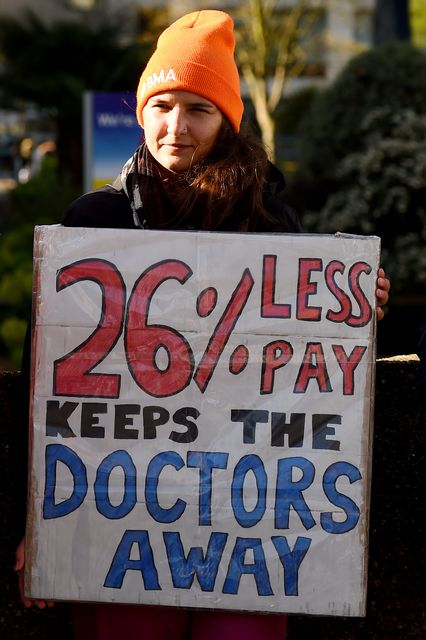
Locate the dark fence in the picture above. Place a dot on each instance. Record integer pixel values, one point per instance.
(396, 603)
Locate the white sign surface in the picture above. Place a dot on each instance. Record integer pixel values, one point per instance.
(201, 419)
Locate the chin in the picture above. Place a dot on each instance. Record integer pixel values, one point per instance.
(176, 166)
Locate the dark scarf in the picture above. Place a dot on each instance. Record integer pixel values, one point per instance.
(156, 198)
(154, 194)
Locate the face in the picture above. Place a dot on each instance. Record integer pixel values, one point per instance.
(181, 128)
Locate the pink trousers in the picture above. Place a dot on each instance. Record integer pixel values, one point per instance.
(124, 622)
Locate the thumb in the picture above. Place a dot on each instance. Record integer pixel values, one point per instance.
(20, 556)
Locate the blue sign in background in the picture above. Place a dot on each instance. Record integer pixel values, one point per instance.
(111, 135)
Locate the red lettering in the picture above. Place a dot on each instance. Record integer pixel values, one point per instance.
(365, 308)
(313, 367)
(72, 374)
(348, 364)
(275, 355)
(333, 267)
(269, 308)
(306, 288)
(143, 341)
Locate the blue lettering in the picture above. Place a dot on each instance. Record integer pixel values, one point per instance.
(154, 469)
(291, 561)
(206, 461)
(204, 566)
(243, 517)
(122, 562)
(289, 493)
(331, 475)
(60, 453)
(237, 567)
(103, 504)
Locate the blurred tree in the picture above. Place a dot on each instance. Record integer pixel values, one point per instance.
(362, 170)
(391, 21)
(271, 50)
(381, 190)
(42, 200)
(393, 75)
(52, 65)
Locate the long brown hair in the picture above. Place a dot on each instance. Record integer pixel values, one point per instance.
(228, 185)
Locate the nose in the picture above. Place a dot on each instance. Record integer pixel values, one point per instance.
(177, 122)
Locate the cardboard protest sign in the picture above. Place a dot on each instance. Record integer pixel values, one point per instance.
(201, 419)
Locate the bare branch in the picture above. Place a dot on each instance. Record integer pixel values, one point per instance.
(270, 51)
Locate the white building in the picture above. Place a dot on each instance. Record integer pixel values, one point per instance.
(347, 24)
(342, 28)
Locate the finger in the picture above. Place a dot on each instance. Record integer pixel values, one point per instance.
(42, 604)
(20, 556)
(379, 314)
(383, 283)
(25, 601)
(382, 297)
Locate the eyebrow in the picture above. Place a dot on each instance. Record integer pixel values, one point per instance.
(201, 104)
(160, 100)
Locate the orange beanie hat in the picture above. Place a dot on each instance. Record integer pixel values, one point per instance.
(196, 54)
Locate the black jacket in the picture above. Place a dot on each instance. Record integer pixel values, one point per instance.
(110, 208)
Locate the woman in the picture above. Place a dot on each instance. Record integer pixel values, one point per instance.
(195, 170)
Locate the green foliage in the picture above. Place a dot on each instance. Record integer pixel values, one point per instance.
(293, 109)
(41, 201)
(61, 60)
(52, 65)
(382, 191)
(12, 333)
(392, 76)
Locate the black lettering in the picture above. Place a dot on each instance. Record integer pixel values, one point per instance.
(57, 418)
(90, 421)
(153, 417)
(181, 417)
(320, 430)
(123, 418)
(295, 429)
(249, 418)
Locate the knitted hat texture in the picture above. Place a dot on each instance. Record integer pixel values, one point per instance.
(196, 54)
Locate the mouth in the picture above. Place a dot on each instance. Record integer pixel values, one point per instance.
(180, 141)
(174, 145)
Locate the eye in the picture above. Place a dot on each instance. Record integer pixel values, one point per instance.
(200, 109)
(162, 106)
